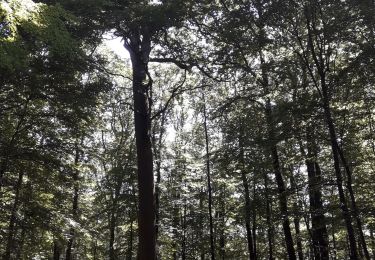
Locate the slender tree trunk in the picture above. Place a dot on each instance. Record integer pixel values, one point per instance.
(280, 185)
(222, 225)
(56, 250)
(250, 244)
(183, 246)
(130, 245)
(339, 178)
(9, 249)
(349, 186)
(201, 225)
(21, 243)
(113, 216)
(209, 188)
(157, 152)
(112, 226)
(254, 218)
(321, 66)
(319, 231)
(68, 254)
(139, 47)
(268, 219)
(296, 218)
(372, 242)
(157, 147)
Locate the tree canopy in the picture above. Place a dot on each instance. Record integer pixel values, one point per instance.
(231, 130)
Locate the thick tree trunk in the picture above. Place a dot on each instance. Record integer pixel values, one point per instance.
(209, 188)
(139, 47)
(280, 185)
(9, 249)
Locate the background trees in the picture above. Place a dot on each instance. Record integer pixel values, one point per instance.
(254, 120)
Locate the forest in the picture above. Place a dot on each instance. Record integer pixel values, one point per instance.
(187, 129)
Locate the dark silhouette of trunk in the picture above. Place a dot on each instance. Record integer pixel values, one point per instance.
(175, 222)
(69, 247)
(245, 184)
(319, 233)
(10, 246)
(296, 218)
(139, 46)
(209, 188)
(113, 213)
(372, 242)
(56, 250)
(280, 184)
(112, 226)
(21, 243)
(222, 223)
(318, 222)
(254, 218)
(354, 207)
(201, 226)
(339, 178)
(183, 246)
(268, 219)
(322, 68)
(130, 245)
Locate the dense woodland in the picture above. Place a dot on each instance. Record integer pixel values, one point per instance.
(235, 129)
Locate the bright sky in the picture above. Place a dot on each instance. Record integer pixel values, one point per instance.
(116, 45)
